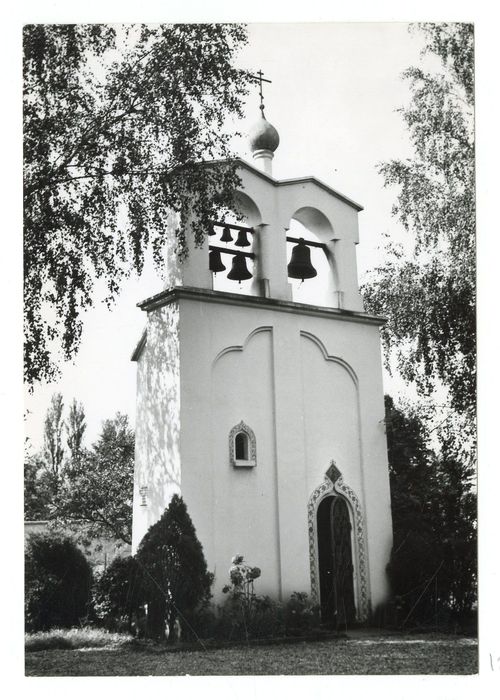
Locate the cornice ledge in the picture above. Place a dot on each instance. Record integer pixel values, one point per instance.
(211, 296)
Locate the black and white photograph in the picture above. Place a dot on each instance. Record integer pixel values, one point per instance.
(249, 298)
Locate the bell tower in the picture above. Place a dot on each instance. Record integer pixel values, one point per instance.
(266, 412)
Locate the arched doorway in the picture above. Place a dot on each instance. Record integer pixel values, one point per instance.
(335, 562)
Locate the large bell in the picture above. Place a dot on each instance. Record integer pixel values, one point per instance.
(239, 270)
(299, 267)
(226, 235)
(214, 262)
(242, 240)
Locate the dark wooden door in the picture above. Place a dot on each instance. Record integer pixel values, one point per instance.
(335, 562)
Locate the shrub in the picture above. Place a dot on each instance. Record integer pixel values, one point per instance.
(176, 580)
(118, 593)
(246, 615)
(201, 623)
(267, 618)
(301, 615)
(387, 615)
(58, 582)
(238, 620)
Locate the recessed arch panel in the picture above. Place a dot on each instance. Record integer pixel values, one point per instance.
(331, 358)
(240, 348)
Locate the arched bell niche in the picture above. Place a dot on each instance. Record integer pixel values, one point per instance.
(247, 214)
(311, 224)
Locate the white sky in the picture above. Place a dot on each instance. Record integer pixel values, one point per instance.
(334, 94)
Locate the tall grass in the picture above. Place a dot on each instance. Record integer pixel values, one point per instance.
(76, 638)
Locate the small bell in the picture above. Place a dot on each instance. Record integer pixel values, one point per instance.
(239, 270)
(242, 240)
(211, 231)
(226, 235)
(214, 262)
(299, 267)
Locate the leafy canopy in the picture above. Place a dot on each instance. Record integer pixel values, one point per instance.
(116, 122)
(96, 493)
(90, 493)
(428, 293)
(433, 564)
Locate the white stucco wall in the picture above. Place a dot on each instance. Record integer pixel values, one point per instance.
(307, 381)
(310, 388)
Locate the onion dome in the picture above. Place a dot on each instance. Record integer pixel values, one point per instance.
(263, 136)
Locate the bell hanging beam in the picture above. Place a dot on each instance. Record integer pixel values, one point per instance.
(300, 267)
(239, 270)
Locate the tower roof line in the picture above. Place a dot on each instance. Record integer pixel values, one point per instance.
(292, 181)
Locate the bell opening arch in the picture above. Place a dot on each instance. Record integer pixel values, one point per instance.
(323, 290)
(246, 213)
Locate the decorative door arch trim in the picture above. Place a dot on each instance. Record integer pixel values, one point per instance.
(333, 484)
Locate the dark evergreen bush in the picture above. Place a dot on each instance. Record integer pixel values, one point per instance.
(58, 582)
(118, 595)
(176, 580)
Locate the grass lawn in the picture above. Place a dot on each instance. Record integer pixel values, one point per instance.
(371, 655)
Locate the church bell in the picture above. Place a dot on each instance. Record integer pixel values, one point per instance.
(226, 235)
(215, 263)
(211, 231)
(239, 270)
(242, 240)
(299, 267)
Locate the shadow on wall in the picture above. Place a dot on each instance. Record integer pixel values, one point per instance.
(158, 409)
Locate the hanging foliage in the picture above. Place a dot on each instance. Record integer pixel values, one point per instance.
(427, 290)
(117, 120)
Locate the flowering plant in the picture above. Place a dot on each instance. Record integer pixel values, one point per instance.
(241, 576)
(249, 614)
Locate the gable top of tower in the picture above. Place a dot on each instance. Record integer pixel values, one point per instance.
(290, 182)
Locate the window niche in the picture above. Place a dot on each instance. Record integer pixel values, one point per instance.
(242, 448)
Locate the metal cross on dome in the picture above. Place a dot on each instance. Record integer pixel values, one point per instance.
(261, 79)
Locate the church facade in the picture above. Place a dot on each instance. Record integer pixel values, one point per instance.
(267, 414)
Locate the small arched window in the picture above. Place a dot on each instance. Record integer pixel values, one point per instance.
(242, 447)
